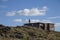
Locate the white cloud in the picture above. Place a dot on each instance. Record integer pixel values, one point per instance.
(57, 24)
(33, 11)
(32, 20)
(29, 12)
(46, 21)
(45, 8)
(54, 17)
(17, 20)
(13, 13)
(37, 20)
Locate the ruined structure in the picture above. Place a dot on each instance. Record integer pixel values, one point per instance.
(44, 26)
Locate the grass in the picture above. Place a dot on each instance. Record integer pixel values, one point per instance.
(27, 33)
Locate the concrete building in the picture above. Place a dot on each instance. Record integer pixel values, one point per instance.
(44, 26)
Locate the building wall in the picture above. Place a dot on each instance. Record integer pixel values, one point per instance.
(44, 26)
(51, 27)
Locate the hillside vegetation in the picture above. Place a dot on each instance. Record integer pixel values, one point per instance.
(27, 33)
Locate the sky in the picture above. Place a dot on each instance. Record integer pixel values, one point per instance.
(18, 12)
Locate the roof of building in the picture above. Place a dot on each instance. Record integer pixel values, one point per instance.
(38, 23)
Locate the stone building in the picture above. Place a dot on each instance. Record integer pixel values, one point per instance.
(44, 26)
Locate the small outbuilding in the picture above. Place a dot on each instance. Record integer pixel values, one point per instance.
(44, 26)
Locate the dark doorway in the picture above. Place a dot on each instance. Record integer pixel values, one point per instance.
(48, 27)
(42, 26)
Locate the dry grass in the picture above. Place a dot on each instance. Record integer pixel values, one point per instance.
(27, 33)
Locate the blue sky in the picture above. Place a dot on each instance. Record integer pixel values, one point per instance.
(17, 12)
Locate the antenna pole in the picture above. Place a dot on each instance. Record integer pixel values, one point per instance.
(29, 21)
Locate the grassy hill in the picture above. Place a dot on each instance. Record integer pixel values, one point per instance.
(27, 33)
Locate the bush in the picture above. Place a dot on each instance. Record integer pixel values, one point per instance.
(18, 35)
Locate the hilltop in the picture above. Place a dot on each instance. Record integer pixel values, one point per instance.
(27, 33)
